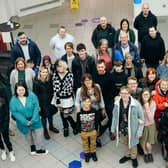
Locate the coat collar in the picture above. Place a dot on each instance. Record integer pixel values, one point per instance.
(132, 103)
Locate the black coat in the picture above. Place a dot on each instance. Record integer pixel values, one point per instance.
(77, 70)
(44, 92)
(152, 49)
(108, 33)
(142, 24)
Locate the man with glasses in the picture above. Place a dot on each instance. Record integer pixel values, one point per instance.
(128, 122)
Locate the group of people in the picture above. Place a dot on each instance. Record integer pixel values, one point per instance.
(105, 93)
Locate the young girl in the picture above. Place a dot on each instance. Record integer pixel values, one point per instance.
(148, 136)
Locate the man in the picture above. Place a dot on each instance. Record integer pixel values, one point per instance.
(27, 49)
(123, 47)
(128, 121)
(82, 64)
(143, 21)
(103, 78)
(152, 48)
(70, 54)
(58, 41)
(132, 84)
(103, 30)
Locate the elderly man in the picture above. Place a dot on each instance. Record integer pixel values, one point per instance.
(124, 47)
(58, 41)
(103, 30)
(25, 48)
(143, 21)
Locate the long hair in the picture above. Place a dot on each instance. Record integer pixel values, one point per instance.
(84, 90)
(124, 20)
(41, 68)
(22, 84)
(141, 98)
(20, 59)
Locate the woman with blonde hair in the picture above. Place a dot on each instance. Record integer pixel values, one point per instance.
(63, 92)
(43, 88)
(162, 69)
(21, 74)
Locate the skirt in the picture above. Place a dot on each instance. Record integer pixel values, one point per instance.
(149, 135)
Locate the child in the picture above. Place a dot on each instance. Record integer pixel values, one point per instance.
(4, 131)
(87, 124)
(30, 64)
(149, 132)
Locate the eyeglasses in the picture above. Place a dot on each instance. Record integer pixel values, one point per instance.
(124, 93)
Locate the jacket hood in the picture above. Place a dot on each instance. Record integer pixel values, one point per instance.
(99, 26)
(158, 90)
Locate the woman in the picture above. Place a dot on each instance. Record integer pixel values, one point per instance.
(4, 128)
(63, 91)
(21, 74)
(149, 133)
(124, 26)
(92, 90)
(162, 69)
(150, 79)
(43, 88)
(46, 62)
(104, 54)
(24, 106)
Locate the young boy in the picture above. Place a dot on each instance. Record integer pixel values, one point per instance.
(87, 124)
(30, 64)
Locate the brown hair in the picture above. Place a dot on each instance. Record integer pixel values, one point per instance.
(141, 98)
(18, 60)
(125, 88)
(69, 44)
(84, 92)
(148, 71)
(132, 78)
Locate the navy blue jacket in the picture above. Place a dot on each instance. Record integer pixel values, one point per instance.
(34, 52)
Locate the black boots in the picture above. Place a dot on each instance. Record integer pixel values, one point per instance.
(53, 129)
(94, 156)
(90, 155)
(46, 134)
(66, 132)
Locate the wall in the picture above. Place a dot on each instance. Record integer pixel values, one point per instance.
(158, 7)
(10, 8)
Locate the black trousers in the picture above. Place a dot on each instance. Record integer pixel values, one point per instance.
(5, 135)
(66, 120)
(44, 121)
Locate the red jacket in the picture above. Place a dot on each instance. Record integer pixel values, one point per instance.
(160, 99)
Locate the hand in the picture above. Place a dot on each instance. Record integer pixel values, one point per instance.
(113, 136)
(29, 123)
(103, 111)
(143, 60)
(166, 104)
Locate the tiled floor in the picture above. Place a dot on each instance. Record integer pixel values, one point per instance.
(41, 27)
(64, 150)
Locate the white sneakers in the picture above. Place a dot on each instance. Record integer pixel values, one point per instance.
(11, 156)
(3, 155)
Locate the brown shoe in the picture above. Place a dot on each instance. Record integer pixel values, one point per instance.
(112, 136)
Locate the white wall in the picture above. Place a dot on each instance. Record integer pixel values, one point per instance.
(10, 8)
(158, 7)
